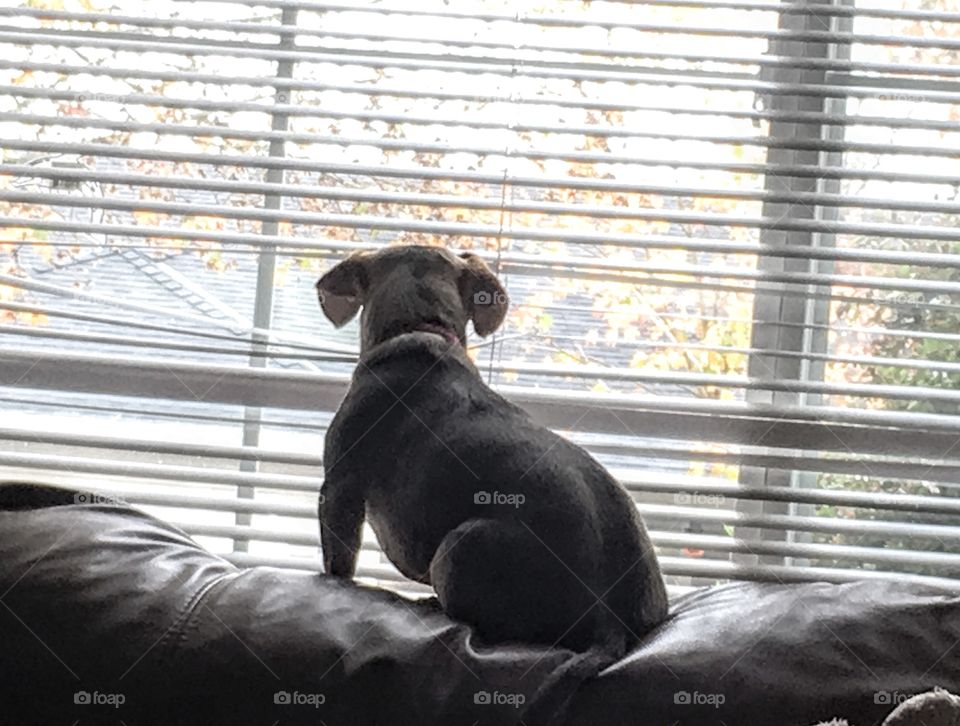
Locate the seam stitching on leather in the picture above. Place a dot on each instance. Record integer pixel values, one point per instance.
(179, 629)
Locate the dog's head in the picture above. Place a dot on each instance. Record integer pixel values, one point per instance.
(406, 289)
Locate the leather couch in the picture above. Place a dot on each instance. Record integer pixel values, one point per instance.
(108, 615)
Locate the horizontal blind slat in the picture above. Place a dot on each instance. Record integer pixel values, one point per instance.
(651, 483)
(657, 377)
(784, 35)
(260, 162)
(158, 472)
(265, 28)
(572, 71)
(567, 371)
(309, 249)
(225, 384)
(821, 9)
(613, 103)
(938, 470)
(947, 561)
(298, 110)
(479, 230)
(945, 534)
(431, 199)
(784, 574)
(821, 427)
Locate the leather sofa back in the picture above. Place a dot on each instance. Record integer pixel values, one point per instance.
(102, 603)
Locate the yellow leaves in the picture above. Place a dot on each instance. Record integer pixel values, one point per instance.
(306, 263)
(147, 219)
(731, 472)
(342, 234)
(22, 79)
(658, 226)
(614, 118)
(639, 359)
(595, 143)
(669, 359)
(280, 277)
(915, 29)
(553, 248)
(741, 234)
(44, 250)
(582, 170)
(532, 314)
(511, 376)
(466, 215)
(726, 362)
(32, 318)
(214, 261)
(7, 292)
(169, 242)
(203, 223)
(491, 244)
(16, 234)
(714, 470)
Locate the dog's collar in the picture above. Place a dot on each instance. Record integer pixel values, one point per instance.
(437, 329)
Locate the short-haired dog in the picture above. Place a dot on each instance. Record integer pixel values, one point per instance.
(522, 533)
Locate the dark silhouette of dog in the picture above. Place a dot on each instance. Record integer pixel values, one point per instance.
(521, 533)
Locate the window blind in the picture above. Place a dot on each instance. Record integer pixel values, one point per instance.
(728, 230)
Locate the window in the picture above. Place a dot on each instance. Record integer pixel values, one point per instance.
(727, 228)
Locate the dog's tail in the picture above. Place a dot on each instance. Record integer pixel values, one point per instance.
(550, 703)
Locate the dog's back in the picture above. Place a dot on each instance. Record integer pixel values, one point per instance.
(466, 489)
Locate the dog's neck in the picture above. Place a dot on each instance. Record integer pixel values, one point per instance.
(449, 333)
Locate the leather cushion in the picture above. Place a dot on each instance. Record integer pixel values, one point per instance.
(107, 601)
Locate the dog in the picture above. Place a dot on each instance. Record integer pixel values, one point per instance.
(521, 533)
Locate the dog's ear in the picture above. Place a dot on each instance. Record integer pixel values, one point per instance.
(342, 289)
(483, 295)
